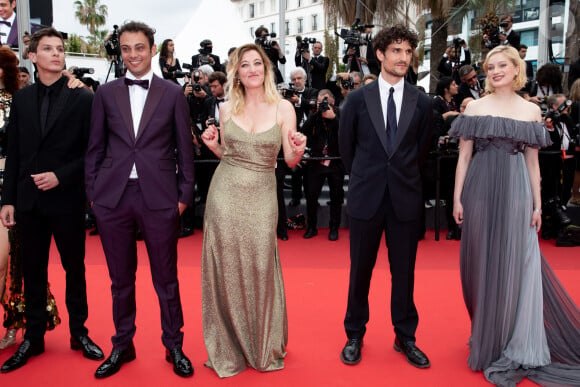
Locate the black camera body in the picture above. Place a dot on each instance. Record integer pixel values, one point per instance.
(503, 24)
(324, 105)
(266, 43)
(458, 42)
(347, 84)
(354, 37)
(492, 31)
(554, 114)
(303, 44)
(289, 92)
(195, 78)
(80, 72)
(112, 44)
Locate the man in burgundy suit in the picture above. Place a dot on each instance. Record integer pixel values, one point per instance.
(139, 175)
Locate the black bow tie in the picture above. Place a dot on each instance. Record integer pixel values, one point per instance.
(219, 100)
(144, 83)
(6, 23)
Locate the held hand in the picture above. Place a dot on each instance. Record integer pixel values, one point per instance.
(458, 212)
(7, 215)
(329, 114)
(350, 51)
(297, 142)
(181, 207)
(45, 181)
(188, 89)
(210, 137)
(364, 60)
(536, 220)
(306, 55)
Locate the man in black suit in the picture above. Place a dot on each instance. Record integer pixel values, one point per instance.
(470, 87)
(508, 35)
(384, 135)
(523, 51)
(44, 192)
(205, 56)
(361, 58)
(315, 65)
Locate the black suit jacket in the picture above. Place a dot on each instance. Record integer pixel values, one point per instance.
(514, 39)
(309, 94)
(60, 150)
(216, 66)
(373, 63)
(363, 148)
(317, 68)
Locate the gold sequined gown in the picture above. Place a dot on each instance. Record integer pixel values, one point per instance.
(243, 302)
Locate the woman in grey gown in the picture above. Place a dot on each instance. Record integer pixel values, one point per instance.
(523, 323)
(243, 302)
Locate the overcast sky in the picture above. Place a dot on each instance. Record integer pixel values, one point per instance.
(168, 17)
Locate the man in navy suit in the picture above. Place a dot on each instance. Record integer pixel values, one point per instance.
(139, 174)
(384, 135)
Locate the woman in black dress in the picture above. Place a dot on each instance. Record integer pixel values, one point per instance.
(168, 63)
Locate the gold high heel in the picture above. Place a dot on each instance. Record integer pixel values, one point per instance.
(8, 339)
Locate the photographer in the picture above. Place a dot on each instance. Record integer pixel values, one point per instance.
(509, 36)
(444, 112)
(342, 84)
(321, 130)
(575, 114)
(304, 101)
(556, 165)
(272, 49)
(470, 86)
(548, 82)
(451, 60)
(360, 55)
(315, 65)
(205, 56)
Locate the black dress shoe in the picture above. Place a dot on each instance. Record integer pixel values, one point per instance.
(351, 352)
(414, 355)
(333, 234)
(310, 232)
(181, 364)
(26, 349)
(89, 348)
(184, 232)
(114, 362)
(283, 235)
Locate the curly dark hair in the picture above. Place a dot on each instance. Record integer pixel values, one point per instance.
(549, 74)
(396, 34)
(444, 83)
(9, 65)
(135, 26)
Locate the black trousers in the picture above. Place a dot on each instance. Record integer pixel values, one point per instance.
(401, 239)
(315, 175)
(36, 229)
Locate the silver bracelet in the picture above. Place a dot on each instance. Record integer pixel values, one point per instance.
(538, 210)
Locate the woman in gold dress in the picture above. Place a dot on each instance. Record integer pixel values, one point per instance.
(243, 302)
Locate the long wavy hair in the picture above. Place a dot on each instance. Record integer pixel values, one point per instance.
(575, 91)
(236, 90)
(164, 48)
(514, 57)
(9, 65)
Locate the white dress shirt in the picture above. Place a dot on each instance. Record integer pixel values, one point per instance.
(384, 88)
(4, 29)
(137, 98)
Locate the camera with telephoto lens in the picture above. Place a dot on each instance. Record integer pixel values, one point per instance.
(204, 51)
(492, 32)
(554, 114)
(266, 43)
(112, 44)
(303, 43)
(447, 144)
(80, 72)
(503, 24)
(354, 37)
(458, 42)
(347, 84)
(324, 105)
(195, 78)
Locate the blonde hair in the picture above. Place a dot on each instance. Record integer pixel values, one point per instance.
(236, 90)
(514, 57)
(575, 91)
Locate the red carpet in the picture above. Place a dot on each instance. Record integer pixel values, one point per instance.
(316, 279)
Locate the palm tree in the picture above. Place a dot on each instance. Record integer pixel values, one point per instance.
(91, 14)
(573, 33)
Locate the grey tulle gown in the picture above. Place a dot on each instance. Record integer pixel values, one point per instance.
(523, 323)
(243, 303)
